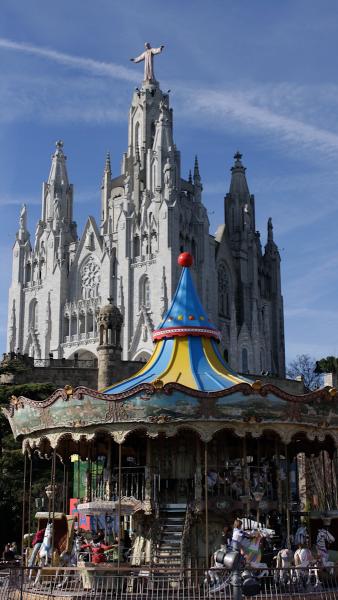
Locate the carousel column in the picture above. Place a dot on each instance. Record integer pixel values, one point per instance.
(109, 492)
(53, 501)
(148, 479)
(206, 508)
(287, 480)
(119, 505)
(23, 503)
(245, 477)
(198, 476)
(278, 478)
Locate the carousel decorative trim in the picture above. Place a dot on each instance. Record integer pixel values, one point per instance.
(327, 394)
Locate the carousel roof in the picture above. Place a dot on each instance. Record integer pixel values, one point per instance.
(185, 349)
(186, 381)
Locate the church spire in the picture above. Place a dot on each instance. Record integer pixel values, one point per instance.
(197, 181)
(57, 205)
(238, 185)
(270, 231)
(105, 194)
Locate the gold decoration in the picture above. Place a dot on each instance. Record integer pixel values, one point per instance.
(69, 390)
(158, 384)
(332, 392)
(256, 385)
(14, 401)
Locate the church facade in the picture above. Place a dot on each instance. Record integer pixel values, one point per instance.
(149, 214)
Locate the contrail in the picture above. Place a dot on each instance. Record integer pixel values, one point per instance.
(87, 64)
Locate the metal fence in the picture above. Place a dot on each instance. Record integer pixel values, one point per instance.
(105, 582)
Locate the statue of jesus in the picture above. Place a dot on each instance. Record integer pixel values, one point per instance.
(147, 56)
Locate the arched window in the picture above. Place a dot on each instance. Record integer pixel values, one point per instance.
(245, 362)
(137, 135)
(28, 272)
(194, 250)
(33, 314)
(144, 297)
(223, 291)
(136, 246)
(226, 355)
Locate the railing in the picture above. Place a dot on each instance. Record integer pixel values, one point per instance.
(66, 363)
(132, 482)
(107, 582)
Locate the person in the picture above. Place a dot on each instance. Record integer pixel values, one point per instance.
(14, 548)
(8, 553)
(97, 549)
(226, 536)
(240, 539)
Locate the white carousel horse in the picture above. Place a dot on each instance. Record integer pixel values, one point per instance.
(301, 536)
(306, 570)
(324, 538)
(45, 550)
(284, 563)
(70, 559)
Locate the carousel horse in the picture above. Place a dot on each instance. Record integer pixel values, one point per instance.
(45, 551)
(70, 559)
(306, 570)
(284, 562)
(324, 538)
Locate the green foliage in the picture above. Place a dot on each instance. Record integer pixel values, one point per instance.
(12, 366)
(12, 461)
(327, 365)
(35, 391)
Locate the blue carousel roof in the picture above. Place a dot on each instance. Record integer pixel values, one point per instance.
(186, 349)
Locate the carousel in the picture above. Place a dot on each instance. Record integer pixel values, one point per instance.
(176, 452)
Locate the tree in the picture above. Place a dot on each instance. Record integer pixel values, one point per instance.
(304, 367)
(11, 459)
(327, 365)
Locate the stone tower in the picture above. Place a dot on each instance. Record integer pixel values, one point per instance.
(109, 350)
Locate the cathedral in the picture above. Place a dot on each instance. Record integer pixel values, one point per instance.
(149, 214)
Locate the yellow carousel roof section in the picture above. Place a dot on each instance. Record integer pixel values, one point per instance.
(185, 346)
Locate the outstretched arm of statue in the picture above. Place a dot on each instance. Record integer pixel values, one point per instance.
(138, 58)
(157, 50)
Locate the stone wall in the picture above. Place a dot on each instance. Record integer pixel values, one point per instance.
(63, 372)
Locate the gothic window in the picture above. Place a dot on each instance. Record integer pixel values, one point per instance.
(28, 272)
(153, 240)
(33, 314)
(245, 362)
(145, 248)
(262, 359)
(194, 251)
(223, 291)
(144, 297)
(137, 135)
(90, 278)
(136, 246)
(153, 127)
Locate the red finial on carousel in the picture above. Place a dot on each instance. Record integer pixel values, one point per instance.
(185, 259)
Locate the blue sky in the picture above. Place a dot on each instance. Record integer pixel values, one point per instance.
(256, 76)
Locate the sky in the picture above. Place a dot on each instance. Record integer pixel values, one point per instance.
(257, 76)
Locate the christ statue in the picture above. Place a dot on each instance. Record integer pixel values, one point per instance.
(147, 56)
